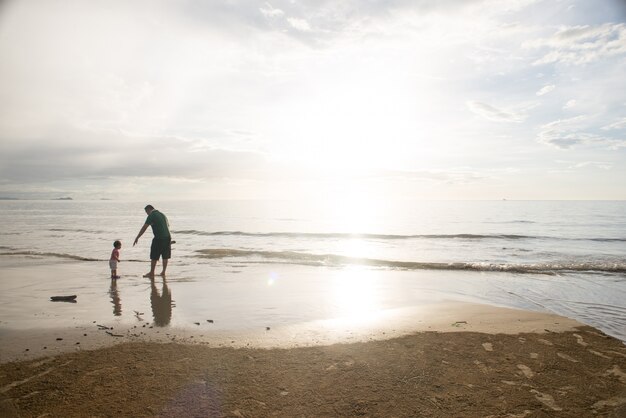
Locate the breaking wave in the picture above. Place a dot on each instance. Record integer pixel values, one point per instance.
(347, 235)
(293, 257)
(317, 235)
(49, 254)
(56, 255)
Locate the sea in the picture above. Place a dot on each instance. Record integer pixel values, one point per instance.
(256, 263)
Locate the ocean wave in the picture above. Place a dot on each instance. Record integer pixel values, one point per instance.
(514, 221)
(293, 257)
(347, 235)
(49, 254)
(340, 235)
(88, 231)
(57, 255)
(608, 239)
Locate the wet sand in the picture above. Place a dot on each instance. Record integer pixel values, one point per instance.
(440, 360)
(435, 359)
(438, 317)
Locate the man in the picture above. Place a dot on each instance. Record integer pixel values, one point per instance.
(162, 241)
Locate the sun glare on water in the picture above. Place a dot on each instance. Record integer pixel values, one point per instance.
(354, 288)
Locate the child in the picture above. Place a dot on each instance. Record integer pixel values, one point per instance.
(115, 258)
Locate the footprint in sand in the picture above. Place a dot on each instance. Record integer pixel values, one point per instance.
(520, 415)
(617, 353)
(566, 357)
(597, 334)
(481, 366)
(547, 400)
(597, 353)
(612, 402)
(565, 390)
(526, 371)
(580, 340)
(488, 346)
(617, 372)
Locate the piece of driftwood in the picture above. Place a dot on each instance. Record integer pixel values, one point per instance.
(70, 298)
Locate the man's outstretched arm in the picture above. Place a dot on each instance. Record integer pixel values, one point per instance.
(143, 229)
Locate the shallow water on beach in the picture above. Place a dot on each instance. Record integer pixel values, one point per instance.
(257, 264)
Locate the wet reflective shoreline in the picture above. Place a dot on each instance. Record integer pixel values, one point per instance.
(251, 298)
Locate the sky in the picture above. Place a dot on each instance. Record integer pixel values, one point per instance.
(313, 99)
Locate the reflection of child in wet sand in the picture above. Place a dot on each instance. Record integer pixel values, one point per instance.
(115, 258)
(115, 298)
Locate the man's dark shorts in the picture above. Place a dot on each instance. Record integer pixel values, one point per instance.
(161, 247)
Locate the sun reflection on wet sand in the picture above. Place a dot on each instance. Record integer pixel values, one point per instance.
(354, 293)
(273, 277)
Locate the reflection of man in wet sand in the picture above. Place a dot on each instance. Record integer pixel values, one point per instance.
(161, 304)
(162, 241)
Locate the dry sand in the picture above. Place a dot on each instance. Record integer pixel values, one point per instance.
(460, 360)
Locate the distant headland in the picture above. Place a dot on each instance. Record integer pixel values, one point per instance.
(19, 198)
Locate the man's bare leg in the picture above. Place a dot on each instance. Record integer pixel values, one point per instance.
(152, 268)
(165, 260)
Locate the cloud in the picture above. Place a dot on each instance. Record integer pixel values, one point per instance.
(593, 164)
(571, 165)
(620, 124)
(448, 176)
(579, 45)
(269, 11)
(545, 90)
(299, 24)
(492, 113)
(119, 154)
(318, 22)
(570, 104)
(576, 131)
(243, 89)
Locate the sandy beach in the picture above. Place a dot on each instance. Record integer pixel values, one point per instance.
(446, 359)
(297, 208)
